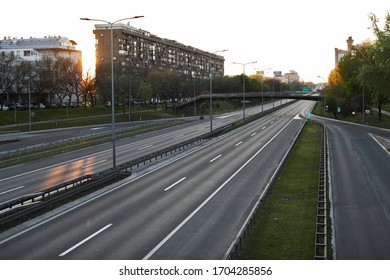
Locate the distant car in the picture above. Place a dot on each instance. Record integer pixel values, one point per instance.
(39, 106)
(4, 108)
(20, 106)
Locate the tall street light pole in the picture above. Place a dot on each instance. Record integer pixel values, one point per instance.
(364, 108)
(112, 80)
(243, 84)
(262, 86)
(324, 94)
(211, 89)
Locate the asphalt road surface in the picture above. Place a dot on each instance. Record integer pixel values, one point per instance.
(188, 208)
(38, 175)
(360, 189)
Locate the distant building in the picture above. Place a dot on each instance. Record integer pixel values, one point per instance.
(36, 49)
(290, 77)
(33, 49)
(339, 54)
(287, 78)
(137, 49)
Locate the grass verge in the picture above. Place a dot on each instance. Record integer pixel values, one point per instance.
(285, 228)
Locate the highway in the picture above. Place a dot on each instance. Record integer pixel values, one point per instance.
(35, 176)
(188, 208)
(360, 190)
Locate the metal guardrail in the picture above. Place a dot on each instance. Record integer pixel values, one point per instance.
(321, 235)
(7, 136)
(321, 247)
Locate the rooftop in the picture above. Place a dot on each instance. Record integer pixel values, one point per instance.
(48, 42)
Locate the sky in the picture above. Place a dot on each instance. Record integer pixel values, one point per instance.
(280, 35)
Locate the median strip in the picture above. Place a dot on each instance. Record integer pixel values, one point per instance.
(287, 221)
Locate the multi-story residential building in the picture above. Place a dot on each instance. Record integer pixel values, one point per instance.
(33, 49)
(139, 49)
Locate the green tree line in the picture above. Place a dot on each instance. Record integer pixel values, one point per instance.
(362, 77)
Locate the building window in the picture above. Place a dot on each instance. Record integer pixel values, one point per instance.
(26, 53)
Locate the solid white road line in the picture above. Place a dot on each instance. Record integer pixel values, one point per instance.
(11, 190)
(171, 186)
(85, 240)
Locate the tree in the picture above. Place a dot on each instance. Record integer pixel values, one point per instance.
(375, 73)
(6, 77)
(88, 88)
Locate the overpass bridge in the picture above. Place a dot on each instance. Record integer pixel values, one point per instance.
(251, 96)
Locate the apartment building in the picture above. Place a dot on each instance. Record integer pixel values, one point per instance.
(137, 49)
(32, 49)
(35, 49)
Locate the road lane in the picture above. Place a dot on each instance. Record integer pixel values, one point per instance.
(359, 173)
(142, 214)
(48, 172)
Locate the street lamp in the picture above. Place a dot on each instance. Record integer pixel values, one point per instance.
(262, 86)
(112, 79)
(324, 94)
(211, 89)
(243, 87)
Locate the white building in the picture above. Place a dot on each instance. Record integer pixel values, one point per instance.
(36, 49)
(33, 49)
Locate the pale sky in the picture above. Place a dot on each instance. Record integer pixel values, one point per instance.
(283, 35)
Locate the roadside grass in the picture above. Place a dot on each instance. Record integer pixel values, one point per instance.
(76, 145)
(285, 228)
(61, 117)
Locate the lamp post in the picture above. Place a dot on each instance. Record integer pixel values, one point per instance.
(112, 80)
(211, 89)
(364, 108)
(324, 94)
(262, 86)
(243, 87)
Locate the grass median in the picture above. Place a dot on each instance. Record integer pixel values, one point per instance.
(285, 228)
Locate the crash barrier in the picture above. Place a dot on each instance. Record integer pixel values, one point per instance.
(321, 236)
(321, 247)
(28, 204)
(7, 136)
